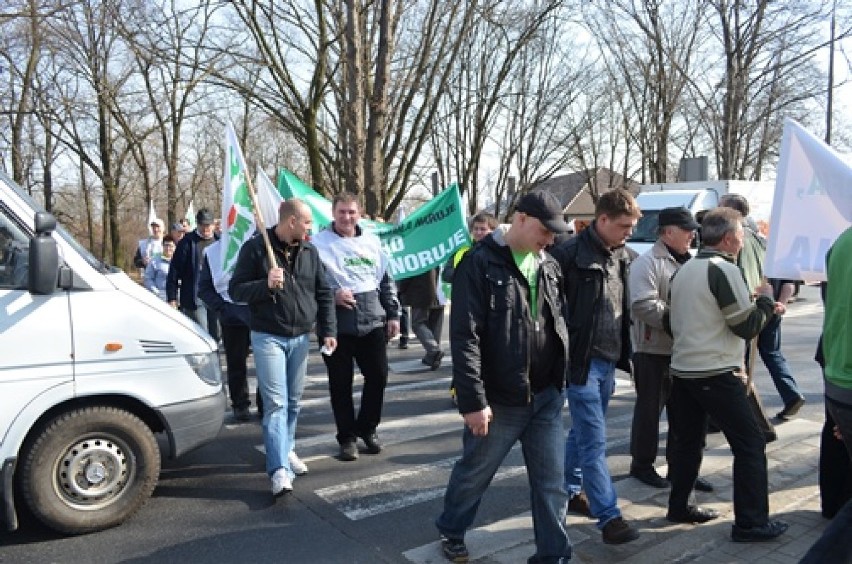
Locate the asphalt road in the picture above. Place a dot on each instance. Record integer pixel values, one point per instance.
(214, 505)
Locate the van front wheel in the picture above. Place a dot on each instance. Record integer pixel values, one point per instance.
(89, 469)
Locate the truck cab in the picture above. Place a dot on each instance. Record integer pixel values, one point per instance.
(93, 367)
(652, 202)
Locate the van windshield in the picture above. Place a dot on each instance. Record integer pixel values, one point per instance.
(37, 207)
(646, 228)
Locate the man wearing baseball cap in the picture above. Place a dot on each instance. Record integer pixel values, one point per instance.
(509, 345)
(185, 270)
(150, 247)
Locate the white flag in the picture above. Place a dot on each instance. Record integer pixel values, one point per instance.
(152, 215)
(812, 206)
(190, 215)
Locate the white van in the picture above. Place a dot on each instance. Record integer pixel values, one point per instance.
(92, 365)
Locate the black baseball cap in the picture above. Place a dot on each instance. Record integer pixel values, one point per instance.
(679, 217)
(546, 208)
(204, 217)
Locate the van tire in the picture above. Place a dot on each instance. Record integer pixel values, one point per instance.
(114, 461)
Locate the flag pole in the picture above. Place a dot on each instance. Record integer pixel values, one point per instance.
(258, 216)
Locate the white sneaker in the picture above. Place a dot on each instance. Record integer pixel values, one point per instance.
(281, 482)
(298, 467)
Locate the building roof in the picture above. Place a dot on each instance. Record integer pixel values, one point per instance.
(575, 190)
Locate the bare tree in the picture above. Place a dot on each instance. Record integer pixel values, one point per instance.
(649, 48)
(767, 71)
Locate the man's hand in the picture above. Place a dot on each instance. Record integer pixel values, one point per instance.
(174, 304)
(780, 308)
(329, 344)
(393, 328)
(344, 297)
(478, 421)
(275, 278)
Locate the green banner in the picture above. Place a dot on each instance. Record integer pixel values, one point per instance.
(424, 240)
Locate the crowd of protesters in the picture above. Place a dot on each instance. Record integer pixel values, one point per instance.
(540, 317)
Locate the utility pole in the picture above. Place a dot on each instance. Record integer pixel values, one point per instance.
(830, 77)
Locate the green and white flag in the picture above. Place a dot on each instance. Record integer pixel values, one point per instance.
(237, 210)
(238, 220)
(423, 240)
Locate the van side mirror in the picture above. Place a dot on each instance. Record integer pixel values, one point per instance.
(43, 256)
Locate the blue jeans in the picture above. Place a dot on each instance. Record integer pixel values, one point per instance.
(281, 363)
(539, 428)
(585, 449)
(769, 347)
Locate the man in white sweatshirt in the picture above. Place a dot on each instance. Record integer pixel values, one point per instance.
(367, 317)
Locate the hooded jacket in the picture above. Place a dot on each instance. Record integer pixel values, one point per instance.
(499, 351)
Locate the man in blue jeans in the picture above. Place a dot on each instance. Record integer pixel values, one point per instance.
(594, 264)
(769, 348)
(509, 345)
(285, 299)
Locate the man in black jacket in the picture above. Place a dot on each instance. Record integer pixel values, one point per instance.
(285, 299)
(509, 345)
(184, 270)
(234, 319)
(594, 264)
(427, 313)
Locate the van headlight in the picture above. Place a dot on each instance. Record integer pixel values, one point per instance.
(206, 367)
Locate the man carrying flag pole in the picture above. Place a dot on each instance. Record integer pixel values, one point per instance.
(280, 276)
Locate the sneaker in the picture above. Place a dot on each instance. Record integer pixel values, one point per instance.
(372, 442)
(771, 530)
(454, 550)
(618, 531)
(242, 414)
(791, 409)
(298, 467)
(281, 482)
(580, 504)
(436, 362)
(348, 451)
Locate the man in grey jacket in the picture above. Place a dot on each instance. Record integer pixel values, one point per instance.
(648, 284)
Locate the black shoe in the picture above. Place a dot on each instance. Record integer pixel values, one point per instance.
(372, 442)
(348, 451)
(436, 362)
(242, 414)
(702, 485)
(650, 478)
(618, 531)
(693, 514)
(791, 409)
(454, 550)
(771, 530)
(770, 436)
(403, 344)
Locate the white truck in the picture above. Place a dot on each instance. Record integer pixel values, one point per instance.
(697, 197)
(92, 367)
